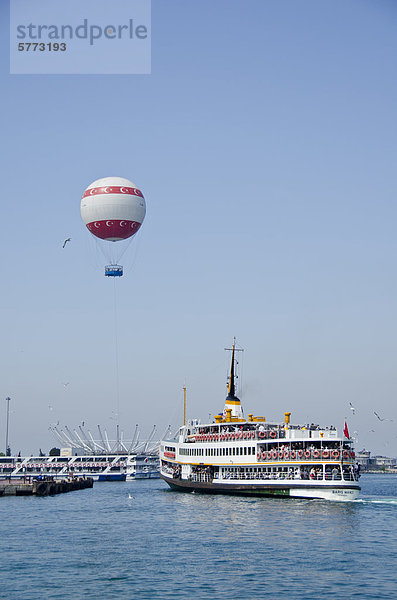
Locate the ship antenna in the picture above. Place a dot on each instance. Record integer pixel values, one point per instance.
(232, 403)
(232, 385)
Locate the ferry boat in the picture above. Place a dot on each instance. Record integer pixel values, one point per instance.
(101, 467)
(234, 455)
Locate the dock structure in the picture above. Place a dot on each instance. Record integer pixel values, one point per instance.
(43, 487)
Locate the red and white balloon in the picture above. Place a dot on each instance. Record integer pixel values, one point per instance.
(113, 208)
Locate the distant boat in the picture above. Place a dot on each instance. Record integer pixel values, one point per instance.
(101, 467)
(237, 456)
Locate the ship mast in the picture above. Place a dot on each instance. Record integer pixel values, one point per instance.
(232, 401)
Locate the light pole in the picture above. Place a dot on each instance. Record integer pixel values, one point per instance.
(7, 420)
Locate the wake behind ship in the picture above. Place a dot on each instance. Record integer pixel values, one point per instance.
(234, 455)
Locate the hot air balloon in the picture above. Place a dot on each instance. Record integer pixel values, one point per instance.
(113, 209)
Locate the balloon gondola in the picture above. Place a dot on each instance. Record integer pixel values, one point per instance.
(113, 209)
(113, 270)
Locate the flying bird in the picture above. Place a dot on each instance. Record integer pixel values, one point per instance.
(66, 384)
(380, 419)
(66, 241)
(352, 408)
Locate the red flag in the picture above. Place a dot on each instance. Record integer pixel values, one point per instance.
(346, 431)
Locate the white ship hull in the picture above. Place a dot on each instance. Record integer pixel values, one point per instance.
(277, 489)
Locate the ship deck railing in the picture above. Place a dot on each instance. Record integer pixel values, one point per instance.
(206, 478)
(285, 476)
(271, 435)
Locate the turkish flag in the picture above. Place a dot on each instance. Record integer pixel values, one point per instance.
(346, 431)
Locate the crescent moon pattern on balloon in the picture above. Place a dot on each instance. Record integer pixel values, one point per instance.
(113, 190)
(123, 223)
(97, 225)
(109, 223)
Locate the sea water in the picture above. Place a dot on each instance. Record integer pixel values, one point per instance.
(140, 540)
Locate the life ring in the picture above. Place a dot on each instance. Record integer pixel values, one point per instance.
(307, 453)
(280, 454)
(293, 454)
(269, 455)
(274, 454)
(273, 434)
(316, 454)
(245, 435)
(253, 435)
(335, 454)
(300, 453)
(325, 453)
(262, 434)
(264, 455)
(258, 455)
(353, 455)
(286, 454)
(345, 454)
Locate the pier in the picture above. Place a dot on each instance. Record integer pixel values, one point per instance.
(43, 487)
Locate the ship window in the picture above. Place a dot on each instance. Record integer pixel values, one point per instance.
(245, 449)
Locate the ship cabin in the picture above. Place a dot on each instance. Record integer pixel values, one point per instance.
(255, 449)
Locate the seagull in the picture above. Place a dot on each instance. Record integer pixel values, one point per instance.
(66, 241)
(376, 415)
(352, 408)
(66, 384)
(130, 497)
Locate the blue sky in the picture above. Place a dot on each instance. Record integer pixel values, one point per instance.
(264, 141)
